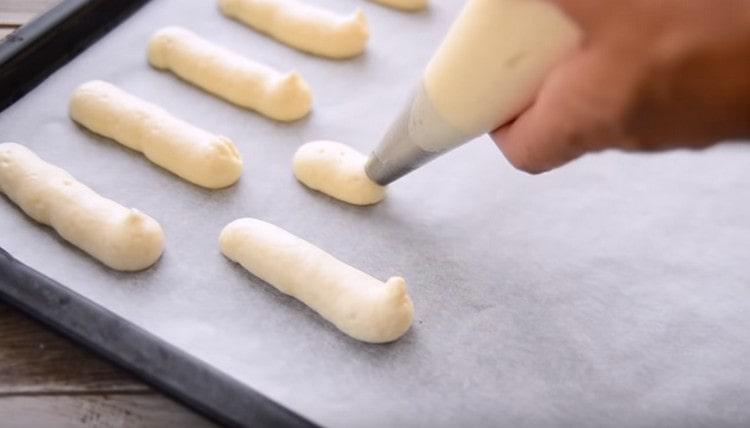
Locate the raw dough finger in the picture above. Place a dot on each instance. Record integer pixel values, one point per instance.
(199, 157)
(338, 171)
(121, 238)
(302, 26)
(356, 303)
(409, 5)
(249, 84)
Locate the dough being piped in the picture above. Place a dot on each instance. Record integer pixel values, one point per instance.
(356, 303)
(198, 156)
(303, 26)
(338, 171)
(409, 5)
(237, 79)
(121, 238)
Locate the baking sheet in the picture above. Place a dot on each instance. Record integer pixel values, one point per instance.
(613, 292)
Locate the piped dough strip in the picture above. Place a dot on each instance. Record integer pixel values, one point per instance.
(198, 156)
(407, 5)
(355, 302)
(121, 238)
(302, 26)
(336, 170)
(219, 71)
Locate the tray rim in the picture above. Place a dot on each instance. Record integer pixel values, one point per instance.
(28, 56)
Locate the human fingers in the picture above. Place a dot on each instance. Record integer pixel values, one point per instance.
(576, 111)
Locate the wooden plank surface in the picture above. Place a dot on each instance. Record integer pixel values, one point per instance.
(48, 381)
(99, 410)
(34, 359)
(18, 12)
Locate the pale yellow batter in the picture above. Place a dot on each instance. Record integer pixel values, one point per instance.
(239, 80)
(338, 171)
(303, 26)
(198, 156)
(408, 5)
(355, 302)
(121, 238)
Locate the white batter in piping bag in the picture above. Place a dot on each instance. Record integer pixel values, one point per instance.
(198, 156)
(486, 72)
(302, 26)
(121, 238)
(217, 70)
(356, 303)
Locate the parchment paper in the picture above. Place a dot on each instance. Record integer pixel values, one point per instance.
(613, 292)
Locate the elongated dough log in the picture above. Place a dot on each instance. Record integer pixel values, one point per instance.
(356, 303)
(199, 157)
(409, 5)
(302, 26)
(338, 171)
(121, 238)
(249, 84)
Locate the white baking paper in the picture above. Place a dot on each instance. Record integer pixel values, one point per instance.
(612, 292)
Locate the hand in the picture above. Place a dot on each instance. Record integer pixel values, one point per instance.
(649, 75)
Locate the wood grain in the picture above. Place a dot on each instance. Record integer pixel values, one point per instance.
(47, 380)
(36, 360)
(95, 411)
(19, 12)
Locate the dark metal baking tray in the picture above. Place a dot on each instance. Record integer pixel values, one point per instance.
(611, 292)
(27, 56)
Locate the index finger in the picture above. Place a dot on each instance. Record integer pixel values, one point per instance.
(572, 113)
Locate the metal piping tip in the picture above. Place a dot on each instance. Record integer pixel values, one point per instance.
(397, 155)
(418, 136)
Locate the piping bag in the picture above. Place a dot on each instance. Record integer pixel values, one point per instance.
(485, 73)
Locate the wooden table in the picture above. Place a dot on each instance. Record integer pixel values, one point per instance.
(48, 381)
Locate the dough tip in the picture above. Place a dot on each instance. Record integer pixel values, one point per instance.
(396, 287)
